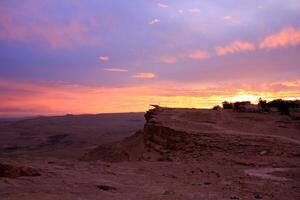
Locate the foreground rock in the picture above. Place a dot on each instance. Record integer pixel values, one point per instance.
(10, 171)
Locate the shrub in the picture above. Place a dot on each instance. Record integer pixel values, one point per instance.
(227, 105)
(263, 105)
(216, 107)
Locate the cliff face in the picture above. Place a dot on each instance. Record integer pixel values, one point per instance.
(199, 135)
(195, 135)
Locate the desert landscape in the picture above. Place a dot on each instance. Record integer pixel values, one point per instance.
(149, 100)
(176, 153)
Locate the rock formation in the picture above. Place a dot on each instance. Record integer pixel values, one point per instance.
(195, 135)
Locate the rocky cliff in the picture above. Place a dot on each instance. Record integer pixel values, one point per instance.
(211, 135)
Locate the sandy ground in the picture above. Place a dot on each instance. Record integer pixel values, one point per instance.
(53, 145)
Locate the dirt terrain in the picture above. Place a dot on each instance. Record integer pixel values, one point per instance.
(175, 154)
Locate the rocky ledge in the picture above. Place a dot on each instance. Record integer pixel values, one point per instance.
(172, 134)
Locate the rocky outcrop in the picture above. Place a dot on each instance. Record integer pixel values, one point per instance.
(195, 135)
(169, 134)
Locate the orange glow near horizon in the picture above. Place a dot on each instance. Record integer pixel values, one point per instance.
(77, 99)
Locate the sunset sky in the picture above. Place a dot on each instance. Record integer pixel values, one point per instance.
(101, 56)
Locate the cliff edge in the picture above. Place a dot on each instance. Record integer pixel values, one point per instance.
(179, 134)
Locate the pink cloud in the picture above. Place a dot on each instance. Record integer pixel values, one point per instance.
(194, 10)
(162, 5)
(196, 55)
(56, 36)
(288, 36)
(103, 58)
(227, 17)
(235, 47)
(199, 55)
(144, 75)
(180, 11)
(169, 59)
(154, 21)
(115, 70)
(65, 36)
(10, 30)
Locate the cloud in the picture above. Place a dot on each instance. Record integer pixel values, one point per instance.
(180, 11)
(115, 70)
(191, 10)
(154, 21)
(169, 59)
(194, 10)
(65, 36)
(196, 55)
(56, 36)
(161, 5)
(260, 7)
(199, 55)
(235, 47)
(288, 36)
(227, 17)
(144, 75)
(104, 58)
